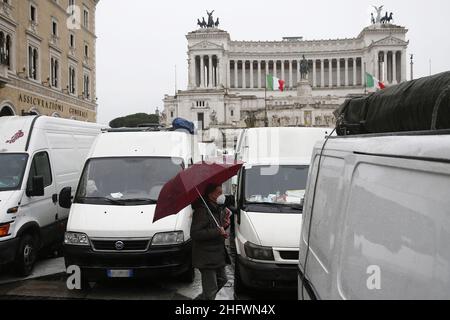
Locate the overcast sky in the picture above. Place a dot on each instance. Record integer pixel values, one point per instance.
(140, 41)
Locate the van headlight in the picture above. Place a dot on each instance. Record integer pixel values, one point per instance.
(76, 239)
(258, 253)
(168, 238)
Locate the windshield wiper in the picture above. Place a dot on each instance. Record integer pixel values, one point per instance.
(112, 201)
(146, 200)
(287, 205)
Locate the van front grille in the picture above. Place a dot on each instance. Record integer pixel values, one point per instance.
(120, 245)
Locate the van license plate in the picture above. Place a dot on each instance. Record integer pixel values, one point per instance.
(120, 273)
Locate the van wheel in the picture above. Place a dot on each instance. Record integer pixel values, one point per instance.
(188, 276)
(26, 255)
(239, 287)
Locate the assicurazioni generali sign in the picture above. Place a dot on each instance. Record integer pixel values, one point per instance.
(54, 106)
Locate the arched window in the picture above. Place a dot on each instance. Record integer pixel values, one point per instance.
(6, 111)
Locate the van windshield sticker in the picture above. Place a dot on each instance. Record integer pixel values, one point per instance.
(16, 137)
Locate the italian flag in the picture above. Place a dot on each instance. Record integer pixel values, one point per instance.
(373, 82)
(273, 83)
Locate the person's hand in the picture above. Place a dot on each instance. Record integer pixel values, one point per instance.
(227, 223)
(223, 233)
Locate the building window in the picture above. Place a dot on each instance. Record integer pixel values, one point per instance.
(232, 112)
(200, 103)
(33, 62)
(72, 80)
(171, 114)
(86, 51)
(54, 28)
(86, 86)
(5, 49)
(33, 14)
(54, 72)
(72, 40)
(86, 18)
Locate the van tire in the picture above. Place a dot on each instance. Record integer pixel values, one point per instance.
(239, 287)
(26, 255)
(85, 285)
(188, 276)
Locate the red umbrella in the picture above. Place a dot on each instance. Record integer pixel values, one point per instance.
(190, 184)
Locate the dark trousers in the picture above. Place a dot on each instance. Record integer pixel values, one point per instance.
(212, 281)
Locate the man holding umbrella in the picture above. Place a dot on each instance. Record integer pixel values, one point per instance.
(200, 185)
(208, 247)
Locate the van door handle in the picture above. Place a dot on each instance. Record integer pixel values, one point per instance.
(55, 198)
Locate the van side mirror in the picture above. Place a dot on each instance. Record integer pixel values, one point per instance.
(65, 198)
(36, 189)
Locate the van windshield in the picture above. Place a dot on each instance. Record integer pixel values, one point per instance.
(125, 181)
(12, 168)
(276, 185)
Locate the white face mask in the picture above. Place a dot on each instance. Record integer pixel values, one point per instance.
(221, 200)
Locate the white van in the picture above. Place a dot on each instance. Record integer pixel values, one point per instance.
(110, 233)
(38, 157)
(270, 191)
(380, 225)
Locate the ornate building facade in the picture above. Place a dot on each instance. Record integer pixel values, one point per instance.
(227, 79)
(47, 58)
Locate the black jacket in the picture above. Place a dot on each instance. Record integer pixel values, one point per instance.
(208, 246)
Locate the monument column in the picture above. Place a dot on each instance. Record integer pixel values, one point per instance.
(338, 70)
(236, 79)
(346, 72)
(354, 72)
(267, 72)
(251, 75)
(275, 68)
(314, 73)
(322, 73)
(259, 74)
(218, 73)
(192, 72)
(291, 85)
(228, 84)
(202, 71)
(394, 67)
(363, 72)
(210, 71)
(244, 80)
(385, 78)
(403, 65)
(330, 73)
